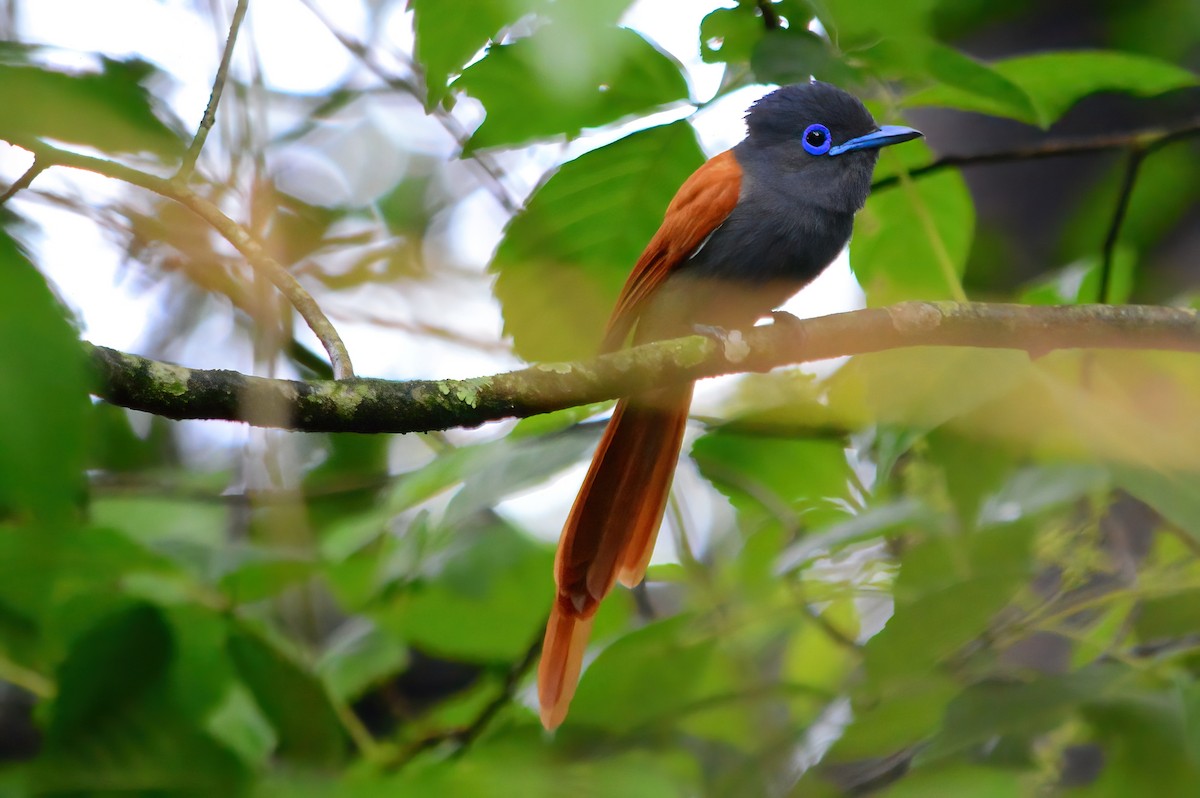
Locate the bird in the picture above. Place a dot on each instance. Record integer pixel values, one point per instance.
(744, 232)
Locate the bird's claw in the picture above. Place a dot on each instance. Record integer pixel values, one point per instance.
(733, 343)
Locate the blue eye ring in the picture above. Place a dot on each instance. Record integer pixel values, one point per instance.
(816, 139)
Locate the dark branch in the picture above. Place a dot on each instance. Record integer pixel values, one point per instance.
(1128, 180)
(1145, 140)
(367, 405)
(769, 14)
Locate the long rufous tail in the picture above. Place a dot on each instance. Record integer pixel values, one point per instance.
(610, 532)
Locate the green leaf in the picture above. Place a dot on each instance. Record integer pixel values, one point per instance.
(291, 697)
(912, 239)
(730, 34)
(765, 476)
(99, 676)
(953, 68)
(1167, 188)
(948, 590)
(1056, 81)
(873, 522)
(793, 55)
(853, 24)
(519, 763)
(1168, 492)
(910, 715)
(1079, 282)
(43, 404)
(983, 712)
(646, 676)
(959, 780)
(565, 257)
(360, 655)
(485, 605)
(109, 110)
(447, 39)
(1147, 732)
(551, 84)
(117, 726)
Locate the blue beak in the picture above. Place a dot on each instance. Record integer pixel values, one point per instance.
(888, 134)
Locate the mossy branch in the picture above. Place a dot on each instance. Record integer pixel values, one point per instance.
(371, 405)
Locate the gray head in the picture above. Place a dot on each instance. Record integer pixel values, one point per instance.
(817, 143)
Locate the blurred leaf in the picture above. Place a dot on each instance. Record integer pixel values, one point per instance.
(730, 34)
(515, 466)
(485, 605)
(114, 725)
(795, 55)
(953, 68)
(948, 590)
(985, 711)
(557, 421)
(488, 472)
(1168, 492)
(1148, 736)
(1056, 81)
(108, 110)
(551, 84)
(293, 699)
(190, 532)
(972, 470)
(925, 387)
(250, 573)
(646, 677)
(853, 24)
(959, 780)
(564, 258)
(912, 240)
(44, 405)
(775, 480)
(1167, 188)
(883, 727)
(115, 447)
(873, 522)
(1079, 282)
(445, 42)
(98, 676)
(360, 655)
(516, 763)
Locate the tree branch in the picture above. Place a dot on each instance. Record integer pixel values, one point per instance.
(233, 232)
(371, 405)
(1145, 140)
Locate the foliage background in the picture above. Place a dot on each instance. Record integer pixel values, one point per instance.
(945, 572)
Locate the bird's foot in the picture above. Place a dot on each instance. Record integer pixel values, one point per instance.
(732, 342)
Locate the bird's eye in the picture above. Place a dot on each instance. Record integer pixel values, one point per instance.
(816, 139)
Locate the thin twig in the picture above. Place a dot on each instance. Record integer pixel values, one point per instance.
(1128, 180)
(23, 182)
(1146, 140)
(210, 112)
(233, 232)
